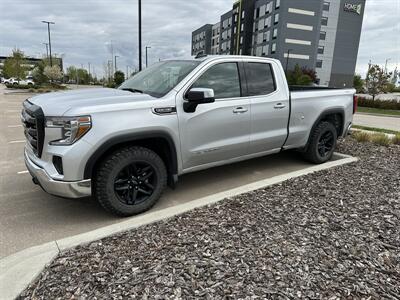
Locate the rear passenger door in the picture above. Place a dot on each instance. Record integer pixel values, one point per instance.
(269, 108)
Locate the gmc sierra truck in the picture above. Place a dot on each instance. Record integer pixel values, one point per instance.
(124, 146)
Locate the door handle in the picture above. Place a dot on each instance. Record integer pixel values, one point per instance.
(279, 106)
(240, 110)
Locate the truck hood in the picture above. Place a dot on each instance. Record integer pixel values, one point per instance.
(57, 104)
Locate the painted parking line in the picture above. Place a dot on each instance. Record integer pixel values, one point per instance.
(14, 126)
(22, 172)
(17, 142)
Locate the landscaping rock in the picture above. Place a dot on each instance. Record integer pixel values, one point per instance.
(334, 234)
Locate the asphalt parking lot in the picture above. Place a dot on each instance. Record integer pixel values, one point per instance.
(29, 216)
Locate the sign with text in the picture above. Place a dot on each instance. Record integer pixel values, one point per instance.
(354, 8)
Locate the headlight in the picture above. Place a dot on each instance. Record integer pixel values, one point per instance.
(72, 128)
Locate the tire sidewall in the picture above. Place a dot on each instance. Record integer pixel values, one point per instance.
(109, 179)
(328, 127)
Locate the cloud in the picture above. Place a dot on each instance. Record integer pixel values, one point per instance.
(84, 29)
(380, 38)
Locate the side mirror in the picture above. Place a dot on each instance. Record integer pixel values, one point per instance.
(197, 96)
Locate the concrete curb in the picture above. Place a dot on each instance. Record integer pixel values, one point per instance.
(389, 135)
(18, 270)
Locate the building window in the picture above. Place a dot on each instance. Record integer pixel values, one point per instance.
(324, 21)
(326, 6)
(273, 49)
(267, 22)
(278, 4)
(276, 19)
(275, 33)
(266, 36)
(269, 8)
(321, 49)
(259, 51)
(319, 64)
(261, 10)
(322, 35)
(260, 38)
(265, 50)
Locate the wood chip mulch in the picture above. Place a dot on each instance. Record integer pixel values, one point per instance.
(334, 234)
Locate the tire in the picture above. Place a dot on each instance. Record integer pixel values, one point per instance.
(322, 143)
(123, 181)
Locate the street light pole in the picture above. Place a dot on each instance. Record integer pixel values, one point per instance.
(47, 50)
(115, 64)
(386, 63)
(48, 30)
(287, 60)
(140, 34)
(147, 47)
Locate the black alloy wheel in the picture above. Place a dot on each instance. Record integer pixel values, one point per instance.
(325, 144)
(322, 143)
(129, 180)
(135, 183)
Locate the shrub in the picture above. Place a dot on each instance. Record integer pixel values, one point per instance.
(381, 139)
(392, 104)
(361, 136)
(396, 139)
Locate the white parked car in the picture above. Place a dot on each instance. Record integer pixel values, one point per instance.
(17, 81)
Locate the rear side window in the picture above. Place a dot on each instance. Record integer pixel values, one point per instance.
(260, 79)
(223, 79)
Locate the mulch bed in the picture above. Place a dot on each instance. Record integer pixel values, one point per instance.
(333, 234)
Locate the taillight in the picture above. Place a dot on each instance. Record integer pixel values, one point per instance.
(355, 104)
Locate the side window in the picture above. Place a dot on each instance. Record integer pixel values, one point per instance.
(260, 79)
(223, 79)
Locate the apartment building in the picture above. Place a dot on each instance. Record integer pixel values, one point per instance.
(323, 35)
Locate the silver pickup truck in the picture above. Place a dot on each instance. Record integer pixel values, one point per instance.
(124, 146)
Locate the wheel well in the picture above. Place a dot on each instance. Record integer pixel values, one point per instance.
(336, 119)
(160, 145)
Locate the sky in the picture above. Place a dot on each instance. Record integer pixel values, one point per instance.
(84, 30)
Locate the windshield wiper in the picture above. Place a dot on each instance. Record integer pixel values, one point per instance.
(132, 90)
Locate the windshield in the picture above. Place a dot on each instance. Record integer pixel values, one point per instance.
(160, 78)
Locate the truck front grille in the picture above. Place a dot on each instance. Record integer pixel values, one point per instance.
(32, 118)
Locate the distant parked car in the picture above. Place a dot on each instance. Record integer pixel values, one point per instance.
(17, 81)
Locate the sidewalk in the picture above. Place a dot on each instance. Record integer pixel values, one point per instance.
(391, 123)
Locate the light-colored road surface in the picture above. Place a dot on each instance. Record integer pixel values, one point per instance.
(29, 216)
(391, 123)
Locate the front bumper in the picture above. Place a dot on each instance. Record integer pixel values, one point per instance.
(75, 189)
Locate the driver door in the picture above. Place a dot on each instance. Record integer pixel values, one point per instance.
(215, 132)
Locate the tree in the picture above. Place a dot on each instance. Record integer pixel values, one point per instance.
(311, 73)
(38, 73)
(15, 65)
(119, 77)
(377, 80)
(53, 73)
(80, 76)
(297, 77)
(358, 84)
